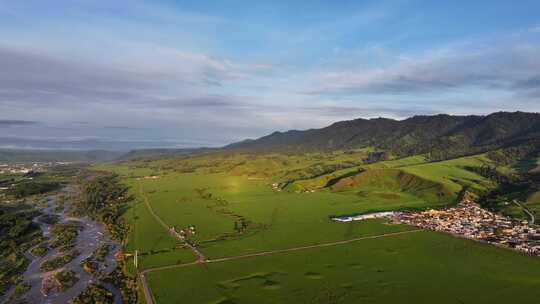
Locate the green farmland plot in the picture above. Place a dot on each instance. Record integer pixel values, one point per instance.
(155, 245)
(237, 210)
(274, 220)
(420, 267)
(237, 214)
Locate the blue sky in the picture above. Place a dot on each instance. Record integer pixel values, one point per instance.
(191, 73)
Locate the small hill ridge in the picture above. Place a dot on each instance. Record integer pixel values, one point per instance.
(394, 181)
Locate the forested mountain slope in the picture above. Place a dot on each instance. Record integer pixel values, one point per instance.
(441, 136)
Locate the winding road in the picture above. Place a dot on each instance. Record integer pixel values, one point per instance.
(526, 210)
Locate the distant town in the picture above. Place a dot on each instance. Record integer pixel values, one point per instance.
(467, 220)
(25, 168)
(13, 173)
(471, 221)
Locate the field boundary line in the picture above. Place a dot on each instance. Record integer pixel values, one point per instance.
(148, 295)
(278, 251)
(321, 245)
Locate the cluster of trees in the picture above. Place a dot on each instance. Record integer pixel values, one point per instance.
(374, 157)
(316, 170)
(517, 188)
(241, 225)
(491, 173)
(66, 279)
(27, 188)
(94, 294)
(59, 261)
(510, 155)
(17, 234)
(65, 235)
(103, 197)
(19, 291)
(127, 284)
(101, 192)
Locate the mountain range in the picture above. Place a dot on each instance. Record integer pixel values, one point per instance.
(441, 136)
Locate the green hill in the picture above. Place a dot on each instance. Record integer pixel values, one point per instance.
(387, 183)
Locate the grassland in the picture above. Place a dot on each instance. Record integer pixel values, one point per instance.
(422, 267)
(273, 220)
(243, 204)
(154, 244)
(521, 197)
(230, 201)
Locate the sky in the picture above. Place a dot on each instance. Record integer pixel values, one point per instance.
(120, 74)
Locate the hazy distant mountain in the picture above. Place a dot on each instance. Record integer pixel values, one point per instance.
(19, 143)
(442, 135)
(157, 153)
(11, 156)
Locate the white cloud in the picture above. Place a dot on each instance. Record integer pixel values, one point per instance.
(506, 67)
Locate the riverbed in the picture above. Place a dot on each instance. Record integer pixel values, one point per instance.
(91, 236)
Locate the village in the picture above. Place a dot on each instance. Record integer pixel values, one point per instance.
(469, 220)
(12, 174)
(26, 168)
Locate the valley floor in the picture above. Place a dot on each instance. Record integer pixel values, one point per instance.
(422, 267)
(259, 229)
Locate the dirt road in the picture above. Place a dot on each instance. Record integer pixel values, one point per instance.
(526, 210)
(200, 257)
(148, 295)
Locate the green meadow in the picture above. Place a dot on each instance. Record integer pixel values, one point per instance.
(421, 267)
(243, 204)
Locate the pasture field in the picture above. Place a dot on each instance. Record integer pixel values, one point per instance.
(248, 204)
(420, 267)
(235, 210)
(452, 173)
(273, 220)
